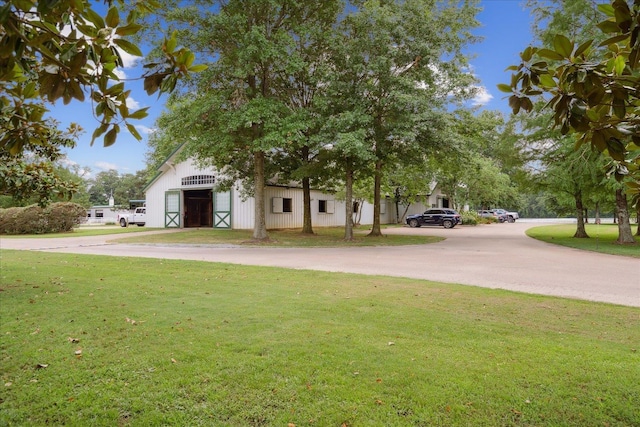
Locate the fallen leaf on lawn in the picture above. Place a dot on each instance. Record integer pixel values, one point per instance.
(78, 352)
(37, 331)
(291, 425)
(391, 343)
(8, 384)
(378, 380)
(41, 366)
(173, 360)
(73, 340)
(378, 402)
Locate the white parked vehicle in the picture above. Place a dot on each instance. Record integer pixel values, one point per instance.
(511, 216)
(137, 217)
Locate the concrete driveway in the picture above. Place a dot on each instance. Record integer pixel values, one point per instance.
(492, 256)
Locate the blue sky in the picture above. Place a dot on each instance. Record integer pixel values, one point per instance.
(505, 27)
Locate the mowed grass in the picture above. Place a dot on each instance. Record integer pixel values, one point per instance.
(602, 238)
(322, 237)
(103, 341)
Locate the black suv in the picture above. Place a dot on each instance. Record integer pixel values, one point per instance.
(447, 218)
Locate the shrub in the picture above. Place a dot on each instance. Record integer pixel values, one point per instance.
(469, 218)
(64, 216)
(8, 220)
(488, 220)
(55, 218)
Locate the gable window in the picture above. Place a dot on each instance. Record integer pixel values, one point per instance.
(198, 180)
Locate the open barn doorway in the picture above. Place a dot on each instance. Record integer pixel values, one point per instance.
(198, 208)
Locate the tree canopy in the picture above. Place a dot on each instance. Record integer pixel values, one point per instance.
(592, 90)
(62, 51)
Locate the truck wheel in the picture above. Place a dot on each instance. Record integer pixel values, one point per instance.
(123, 222)
(413, 223)
(511, 219)
(447, 223)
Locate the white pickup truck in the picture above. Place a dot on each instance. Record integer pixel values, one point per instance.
(511, 216)
(137, 217)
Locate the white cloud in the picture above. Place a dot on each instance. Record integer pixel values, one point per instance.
(145, 130)
(128, 61)
(132, 104)
(106, 166)
(120, 73)
(482, 96)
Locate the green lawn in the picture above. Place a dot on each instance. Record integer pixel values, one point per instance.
(601, 239)
(103, 341)
(323, 237)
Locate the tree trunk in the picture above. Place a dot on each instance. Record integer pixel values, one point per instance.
(259, 223)
(625, 236)
(397, 194)
(597, 220)
(348, 202)
(638, 218)
(581, 232)
(306, 194)
(375, 229)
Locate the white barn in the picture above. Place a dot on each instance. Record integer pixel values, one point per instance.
(184, 196)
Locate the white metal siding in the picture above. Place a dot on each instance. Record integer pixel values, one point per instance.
(243, 210)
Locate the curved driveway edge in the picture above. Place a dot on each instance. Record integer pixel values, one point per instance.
(492, 256)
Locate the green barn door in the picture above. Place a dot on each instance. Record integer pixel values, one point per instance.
(222, 210)
(172, 209)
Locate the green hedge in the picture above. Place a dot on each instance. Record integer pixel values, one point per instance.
(469, 218)
(55, 218)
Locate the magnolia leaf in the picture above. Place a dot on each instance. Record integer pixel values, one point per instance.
(515, 104)
(597, 140)
(619, 65)
(128, 47)
(110, 137)
(550, 54)
(547, 81)
(607, 9)
(99, 131)
(94, 18)
(152, 83)
(504, 88)
(113, 17)
(563, 46)
(583, 47)
(128, 30)
(198, 68)
(608, 26)
(133, 131)
(527, 54)
(613, 40)
(139, 114)
(617, 149)
(170, 45)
